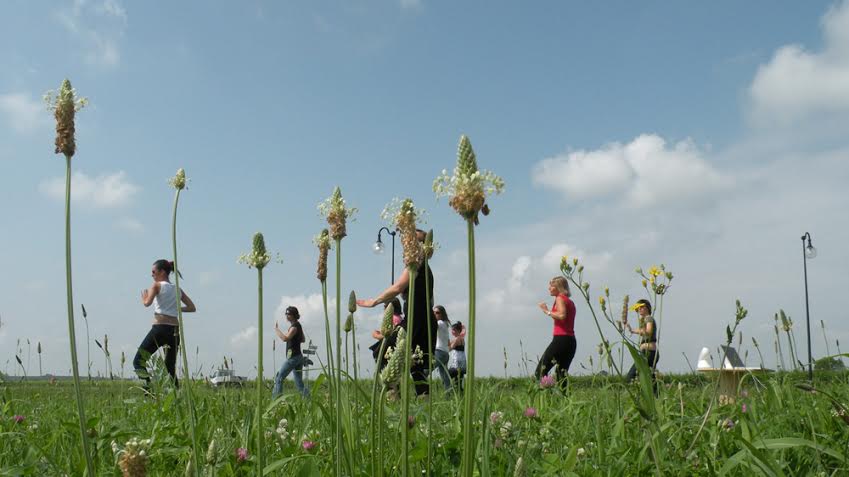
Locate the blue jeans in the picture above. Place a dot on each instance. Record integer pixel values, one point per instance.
(296, 364)
(442, 366)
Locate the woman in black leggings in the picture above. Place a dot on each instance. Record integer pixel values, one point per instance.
(165, 330)
(561, 351)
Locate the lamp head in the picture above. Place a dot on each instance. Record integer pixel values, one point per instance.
(810, 251)
(377, 248)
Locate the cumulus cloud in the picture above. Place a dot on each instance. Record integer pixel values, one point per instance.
(797, 83)
(244, 336)
(642, 173)
(104, 191)
(22, 112)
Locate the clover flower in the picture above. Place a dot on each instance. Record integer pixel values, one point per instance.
(133, 458)
(241, 454)
(547, 381)
(531, 413)
(495, 417)
(322, 241)
(65, 103)
(337, 213)
(403, 214)
(308, 445)
(468, 187)
(18, 419)
(179, 180)
(258, 257)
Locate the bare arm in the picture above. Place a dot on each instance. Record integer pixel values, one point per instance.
(376, 334)
(190, 305)
(149, 294)
(288, 335)
(560, 314)
(387, 295)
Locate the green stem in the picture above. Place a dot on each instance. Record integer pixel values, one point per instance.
(339, 442)
(375, 451)
(71, 334)
(406, 378)
(468, 420)
(260, 433)
(187, 379)
(429, 370)
(329, 366)
(382, 399)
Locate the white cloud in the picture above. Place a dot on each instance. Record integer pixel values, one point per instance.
(23, 113)
(244, 336)
(98, 27)
(103, 191)
(129, 224)
(798, 83)
(642, 173)
(518, 273)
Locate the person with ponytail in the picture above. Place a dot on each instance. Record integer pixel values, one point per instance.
(561, 351)
(165, 331)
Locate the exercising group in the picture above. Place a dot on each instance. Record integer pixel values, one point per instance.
(444, 343)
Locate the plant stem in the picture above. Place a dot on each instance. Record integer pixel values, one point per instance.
(376, 458)
(469, 397)
(187, 379)
(429, 369)
(339, 442)
(71, 334)
(329, 366)
(260, 433)
(406, 378)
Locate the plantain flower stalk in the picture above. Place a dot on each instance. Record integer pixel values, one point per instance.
(258, 258)
(39, 359)
(337, 213)
(322, 241)
(178, 182)
(427, 250)
(403, 214)
(386, 328)
(466, 190)
(352, 308)
(65, 104)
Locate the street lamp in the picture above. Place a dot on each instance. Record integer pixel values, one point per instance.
(808, 252)
(378, 248)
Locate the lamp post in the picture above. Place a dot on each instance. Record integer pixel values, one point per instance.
(378, 248)
(808, 252)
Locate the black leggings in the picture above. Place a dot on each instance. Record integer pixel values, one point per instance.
(651, 356)
(561, 351)
(157, 337)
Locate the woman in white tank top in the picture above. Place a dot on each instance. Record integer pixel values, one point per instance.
(165, 330)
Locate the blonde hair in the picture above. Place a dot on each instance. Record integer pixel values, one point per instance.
(561, 284)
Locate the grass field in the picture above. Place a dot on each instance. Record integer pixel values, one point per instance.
(775, 428)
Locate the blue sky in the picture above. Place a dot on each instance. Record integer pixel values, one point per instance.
(629, 133)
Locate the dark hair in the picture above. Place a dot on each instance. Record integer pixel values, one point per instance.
(457, 326)
(164, 265)
(646, 304)
(396, 306)
(291, 310)
(443, 312)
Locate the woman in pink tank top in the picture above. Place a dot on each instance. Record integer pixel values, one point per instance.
(561, 350)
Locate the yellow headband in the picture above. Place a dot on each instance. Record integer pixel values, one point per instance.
(637, 306)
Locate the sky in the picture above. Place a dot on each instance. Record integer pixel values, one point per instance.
(707, 137)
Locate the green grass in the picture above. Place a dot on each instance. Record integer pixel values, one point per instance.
(595, 430)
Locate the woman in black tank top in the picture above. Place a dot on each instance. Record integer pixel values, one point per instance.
(293, 337)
